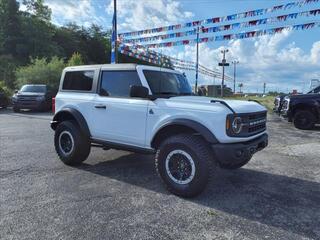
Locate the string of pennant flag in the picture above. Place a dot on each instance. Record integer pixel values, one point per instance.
(169, 62)
(226, 27)
(232, 17)
(242, 35)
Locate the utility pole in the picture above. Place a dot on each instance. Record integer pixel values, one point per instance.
(223, 64)
(235, 62)
(197, 61)
(264, 88)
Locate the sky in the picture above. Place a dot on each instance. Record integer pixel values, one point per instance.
(284, 61)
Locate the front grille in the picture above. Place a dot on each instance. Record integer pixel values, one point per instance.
(27, 100)
(253, 123)
(257, 122)
(285, 105)
(257, 128)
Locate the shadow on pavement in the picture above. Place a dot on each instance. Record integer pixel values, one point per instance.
(283, 202)
(28, 114)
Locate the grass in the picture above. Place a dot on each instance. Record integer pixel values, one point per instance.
(267, 101)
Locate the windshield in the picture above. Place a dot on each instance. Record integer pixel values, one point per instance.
(165, 83)
(33, 88)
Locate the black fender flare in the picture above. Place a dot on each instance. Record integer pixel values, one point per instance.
(196, 126)
(71, 114)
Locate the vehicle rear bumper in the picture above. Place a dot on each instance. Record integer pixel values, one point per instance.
(239, 152)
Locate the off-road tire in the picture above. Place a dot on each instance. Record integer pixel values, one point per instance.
(304, 120)
(81, 145)
(201, 155)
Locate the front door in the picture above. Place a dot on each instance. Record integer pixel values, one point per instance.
(117, 117)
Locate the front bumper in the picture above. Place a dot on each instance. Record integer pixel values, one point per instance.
(287, 114)
(239, 152)
(34, 105)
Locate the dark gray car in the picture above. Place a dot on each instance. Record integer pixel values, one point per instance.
(34, 97)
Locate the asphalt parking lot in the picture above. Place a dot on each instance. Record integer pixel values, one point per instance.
(117, 195)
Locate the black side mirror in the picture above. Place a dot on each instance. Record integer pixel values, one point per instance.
(139, 91)
(16, 91)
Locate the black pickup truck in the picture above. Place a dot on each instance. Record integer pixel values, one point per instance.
(303, 110)
(278, 101)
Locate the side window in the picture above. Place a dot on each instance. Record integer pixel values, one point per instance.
(78, 80)
(117, 83)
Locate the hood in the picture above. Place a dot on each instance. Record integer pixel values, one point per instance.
(204, 103)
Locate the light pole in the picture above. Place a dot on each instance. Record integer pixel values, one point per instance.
(223, 64)
(235, 62)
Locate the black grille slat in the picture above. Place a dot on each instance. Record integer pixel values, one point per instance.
(256, 123)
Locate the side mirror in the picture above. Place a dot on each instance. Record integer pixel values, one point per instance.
(139, 91)
(16, 91)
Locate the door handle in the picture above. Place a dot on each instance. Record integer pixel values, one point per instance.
(101, 106)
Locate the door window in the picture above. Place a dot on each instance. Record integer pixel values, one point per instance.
(118, 83)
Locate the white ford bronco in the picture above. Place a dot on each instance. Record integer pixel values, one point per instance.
(153, 110)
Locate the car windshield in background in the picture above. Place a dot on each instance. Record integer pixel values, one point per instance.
(33, 88)
(166, 83)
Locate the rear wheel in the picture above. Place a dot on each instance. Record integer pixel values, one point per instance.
(304, 120)
(183, 163)
(71, 145)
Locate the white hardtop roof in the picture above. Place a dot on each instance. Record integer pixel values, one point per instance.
(119, 66)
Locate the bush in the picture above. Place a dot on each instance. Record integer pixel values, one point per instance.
(41, 71)
(4, 89)
(75, 60)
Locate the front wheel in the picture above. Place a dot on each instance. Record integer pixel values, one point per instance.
(71, 145)
(183, 163)
(304, 120)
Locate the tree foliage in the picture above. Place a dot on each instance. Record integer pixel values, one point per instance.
(38, 9)
(41, 71)
(75, 60)
(28, 39)
(9, 27)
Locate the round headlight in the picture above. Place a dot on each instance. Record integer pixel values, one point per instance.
(237, 125)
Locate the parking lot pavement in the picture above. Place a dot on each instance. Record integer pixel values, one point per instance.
(117, 195)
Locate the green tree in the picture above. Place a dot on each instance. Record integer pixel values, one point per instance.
(75, 60)
(41, 71)
(4, 89)
(38, 9)
(7, 69)
(9, 27)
